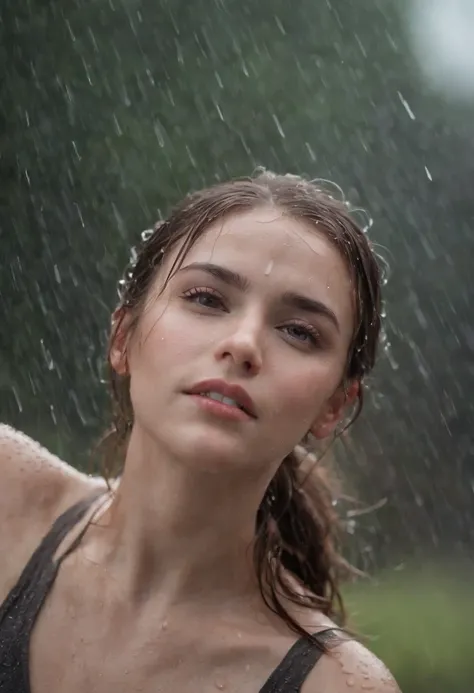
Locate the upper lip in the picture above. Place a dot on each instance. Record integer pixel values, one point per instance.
(235, 392)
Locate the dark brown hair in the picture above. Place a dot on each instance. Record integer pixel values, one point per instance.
(297, 528)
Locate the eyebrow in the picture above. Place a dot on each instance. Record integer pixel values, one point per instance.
(223, 273)
(289, 298)
(310, 305)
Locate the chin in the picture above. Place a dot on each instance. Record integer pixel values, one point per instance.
(218, 457)
(211, 450)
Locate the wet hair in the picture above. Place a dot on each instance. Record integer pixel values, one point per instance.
(297, 530)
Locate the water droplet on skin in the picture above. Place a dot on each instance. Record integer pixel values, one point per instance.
(269, 268)
(350, 682)
(219, 685)
(164, 625)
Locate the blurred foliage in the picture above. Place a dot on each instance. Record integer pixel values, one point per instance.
(420, 625)
(112, 110)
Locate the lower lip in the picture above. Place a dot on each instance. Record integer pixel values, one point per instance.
(225, 411)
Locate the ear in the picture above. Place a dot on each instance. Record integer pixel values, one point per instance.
(335, 409)
(119, 341)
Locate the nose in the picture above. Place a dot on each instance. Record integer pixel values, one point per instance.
(242, 346)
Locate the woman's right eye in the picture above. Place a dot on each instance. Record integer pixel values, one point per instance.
(205, 297)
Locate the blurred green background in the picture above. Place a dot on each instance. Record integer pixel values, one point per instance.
(112, 109)
(420, 625)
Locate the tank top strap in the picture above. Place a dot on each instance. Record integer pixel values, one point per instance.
(20, 609)
(39, 572)
(299, 661)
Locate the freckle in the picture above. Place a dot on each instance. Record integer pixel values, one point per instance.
(269, 268)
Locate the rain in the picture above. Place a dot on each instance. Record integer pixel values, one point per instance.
(112, 110)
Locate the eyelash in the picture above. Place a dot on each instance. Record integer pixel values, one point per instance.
(311, 332)
(194, 294)
(200, 292)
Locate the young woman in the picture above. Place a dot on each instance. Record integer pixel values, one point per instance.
(245, 329)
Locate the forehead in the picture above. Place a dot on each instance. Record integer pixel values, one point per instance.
(269, 234)
(277, 252)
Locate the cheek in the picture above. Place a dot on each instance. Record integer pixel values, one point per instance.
(158, 338)
(166, 339)
(305, 392)
(154, 353)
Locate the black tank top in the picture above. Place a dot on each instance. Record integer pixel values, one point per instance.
(19, 612)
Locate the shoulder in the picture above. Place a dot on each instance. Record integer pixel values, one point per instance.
(35, 487)
(350, 666)
(32, 476)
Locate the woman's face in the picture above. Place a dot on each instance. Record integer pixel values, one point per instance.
(263, 307)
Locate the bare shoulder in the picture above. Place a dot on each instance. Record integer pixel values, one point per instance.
(18, 449)
(350, 666)
(33, 478)
(35, 487)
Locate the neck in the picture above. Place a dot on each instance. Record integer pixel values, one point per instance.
(175, 531)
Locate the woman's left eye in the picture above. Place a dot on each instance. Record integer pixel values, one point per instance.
(207, 298)
(302, 333)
